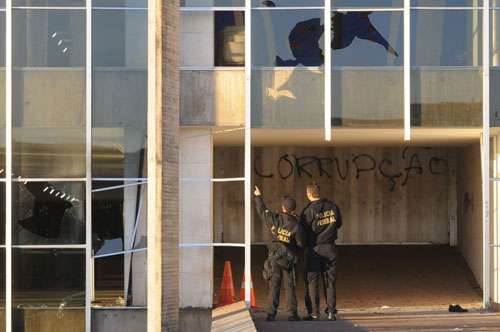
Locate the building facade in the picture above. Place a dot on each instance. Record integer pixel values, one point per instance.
(116, 218)
(390, 104)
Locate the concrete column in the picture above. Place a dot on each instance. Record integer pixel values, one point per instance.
(196, 264)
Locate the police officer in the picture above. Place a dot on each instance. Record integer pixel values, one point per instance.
(282, 253)
(321, 220)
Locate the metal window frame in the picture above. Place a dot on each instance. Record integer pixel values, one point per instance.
(485, 149)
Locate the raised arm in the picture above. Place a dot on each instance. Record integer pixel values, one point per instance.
(266, 215)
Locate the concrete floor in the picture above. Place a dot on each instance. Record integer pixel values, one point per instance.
(428, 322)
(376, 278)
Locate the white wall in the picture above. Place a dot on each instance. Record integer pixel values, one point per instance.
(196, 264)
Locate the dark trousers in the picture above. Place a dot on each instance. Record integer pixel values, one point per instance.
(320, 267)
(287, 276)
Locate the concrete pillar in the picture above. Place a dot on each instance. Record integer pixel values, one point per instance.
(196, 264)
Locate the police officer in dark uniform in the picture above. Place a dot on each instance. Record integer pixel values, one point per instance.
(283, 253)
(321, 220)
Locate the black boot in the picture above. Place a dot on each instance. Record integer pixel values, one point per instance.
(270, 318)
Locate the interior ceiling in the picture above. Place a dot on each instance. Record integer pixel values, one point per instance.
(348, 137)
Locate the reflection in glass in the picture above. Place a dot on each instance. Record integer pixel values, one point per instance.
(446, 89)
(287, 38)
(48, 101)
(367, 76)
(287, 3)
(229, 38)
(446, 37)
(121, 280)
(2, 93)
(119, 98)
(367, 4)
(446, 3)
(367, 38)
(48, 290)
(48, 3)
(228, 212)
(212, 3)
(48, 213)
(118, 216)
(290, 96)
(2, 289)
(120, 3)
(368, 98)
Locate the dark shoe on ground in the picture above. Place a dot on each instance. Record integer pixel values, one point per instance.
(332, 316)
(270, 318)
(327, 311)
(456, 308)
(294, 318)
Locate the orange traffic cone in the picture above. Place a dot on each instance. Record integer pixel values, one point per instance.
(253, 302)
(227, 287)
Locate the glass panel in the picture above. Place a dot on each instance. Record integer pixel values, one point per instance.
(287, 3)
(120, 4)
(48, 93)
(228, 212)
(292, 95)
(2, 92)
(367, 76)
(446, 3)
(121, 280)
(48, 290)
(446, 87)
(48, 213)
(119, 211)
(495, 69)
(229, 38)
(2, 289)
(212, 3)
(367, 4)
(227, 258)
(48, 3)
(119, 121)
(2, 213)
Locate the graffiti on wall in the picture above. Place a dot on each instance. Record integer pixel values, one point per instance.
(289, 165)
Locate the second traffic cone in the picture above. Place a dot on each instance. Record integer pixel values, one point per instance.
(253, 302)
(227, 287)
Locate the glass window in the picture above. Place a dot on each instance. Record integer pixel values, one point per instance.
(446, 3)
(287, 38)
(495, 69)
(48, 213)
(367, 69)
(213, 3)
(119, 121)
(446, 37)
(229, 38)
(367, 4)
(48, 93)
(48, 290)
(118, 216)
(48, 3)
(121, 280)
(287, 3)
(2, 93)
(446, 88)
(110, 4)
(288, 76)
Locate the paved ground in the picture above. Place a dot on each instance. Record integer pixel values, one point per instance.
(430, 322)
(410, 278)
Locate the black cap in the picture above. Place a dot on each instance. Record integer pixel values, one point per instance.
(288, 203)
